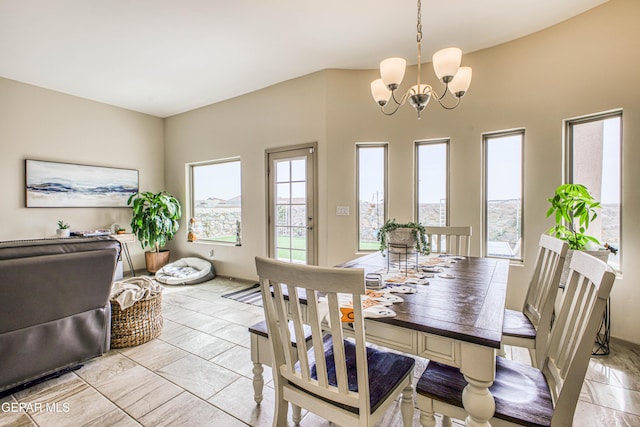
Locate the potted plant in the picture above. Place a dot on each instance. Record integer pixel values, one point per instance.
(63, 229)
(411, 235)
(574, 209)
(154, 222)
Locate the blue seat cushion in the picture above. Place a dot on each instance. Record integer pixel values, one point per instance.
(520, 391)
(386, 371)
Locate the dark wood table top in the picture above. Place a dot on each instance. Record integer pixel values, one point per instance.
(469, 307)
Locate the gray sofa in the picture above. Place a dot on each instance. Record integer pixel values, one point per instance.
(54, 305)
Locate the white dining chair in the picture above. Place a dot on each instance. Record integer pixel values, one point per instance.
(530, 327)
(450, 240)
(525, 395)
(342, 380)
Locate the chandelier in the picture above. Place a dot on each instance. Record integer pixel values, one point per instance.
(446, 64)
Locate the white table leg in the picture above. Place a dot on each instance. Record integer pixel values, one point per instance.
(478, 402)
(258, 382)
(479, 369)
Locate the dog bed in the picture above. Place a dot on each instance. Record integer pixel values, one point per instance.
(186, 271)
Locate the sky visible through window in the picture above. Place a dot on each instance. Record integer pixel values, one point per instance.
(217, 180)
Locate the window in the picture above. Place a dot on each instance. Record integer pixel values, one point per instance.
(216, 200)
(432, 187)
(594, 147)
(371, 172)
(503, 202)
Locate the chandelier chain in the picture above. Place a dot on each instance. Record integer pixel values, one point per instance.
(419, 26)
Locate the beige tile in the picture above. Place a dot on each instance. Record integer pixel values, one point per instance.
(72, 406)
(237, 334)
(138, 391)
(237, 359)
(213, 325)
(188, 410)
(154, 354)
(116, 417)
(201, 344)
(237, 400)
(57, 389)
(590, 415)
(99, 370)
(613, 397)
(14, 415)
(172, 330)
(241, 317)
(200, 377)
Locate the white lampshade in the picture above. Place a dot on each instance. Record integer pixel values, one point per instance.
(461, 81)
(380, 92)
(446, 63)
(392, 71)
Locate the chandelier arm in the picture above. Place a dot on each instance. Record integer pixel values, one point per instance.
(439, 99)
(398, 104)
(446, 90)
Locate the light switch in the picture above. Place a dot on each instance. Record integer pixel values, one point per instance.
(342, 210)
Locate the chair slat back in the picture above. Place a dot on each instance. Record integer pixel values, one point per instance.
(450, 240)
(574, 332)
(281, 285)
(543, 289)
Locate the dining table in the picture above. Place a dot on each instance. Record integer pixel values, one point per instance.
(454, 317)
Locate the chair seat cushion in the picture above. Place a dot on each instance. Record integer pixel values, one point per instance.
(386, 371)
(520, 391)
(516, 324)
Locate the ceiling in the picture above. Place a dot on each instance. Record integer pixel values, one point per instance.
(164, 57)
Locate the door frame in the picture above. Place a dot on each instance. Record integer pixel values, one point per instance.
(312, 251)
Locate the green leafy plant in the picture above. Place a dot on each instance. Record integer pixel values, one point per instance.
(62, 225)
(417, 229)
(574, 209)
(155, 218)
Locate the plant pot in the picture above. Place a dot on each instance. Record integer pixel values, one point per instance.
(63, 232)
(401, 240)
(602, 255)
(156, 260)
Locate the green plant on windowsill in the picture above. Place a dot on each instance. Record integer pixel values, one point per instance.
(574, 209)
(421, 245)
(62, 225)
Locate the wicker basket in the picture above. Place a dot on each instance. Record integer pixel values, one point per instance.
(137, 324)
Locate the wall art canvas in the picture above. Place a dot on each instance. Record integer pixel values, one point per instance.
(52, 184)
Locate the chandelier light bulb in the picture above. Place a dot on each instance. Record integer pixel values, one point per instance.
(446, 63)
(392, 72)
(380, 92)
(461, 82)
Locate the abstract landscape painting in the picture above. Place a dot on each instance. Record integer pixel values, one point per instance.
(51, 184)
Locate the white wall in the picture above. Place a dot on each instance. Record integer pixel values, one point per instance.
(582, 66)
(41, 124)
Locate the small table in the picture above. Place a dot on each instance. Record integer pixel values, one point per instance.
(124, 239)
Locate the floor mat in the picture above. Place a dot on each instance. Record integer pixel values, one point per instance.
(250, 295)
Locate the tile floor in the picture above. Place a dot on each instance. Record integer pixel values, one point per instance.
(198, 373)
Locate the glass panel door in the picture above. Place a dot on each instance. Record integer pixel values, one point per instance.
(291, 214)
